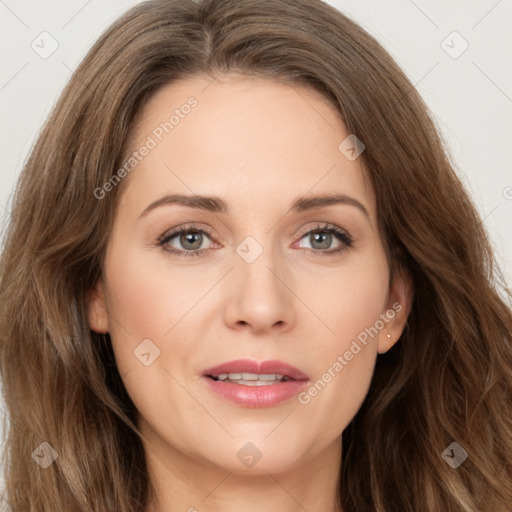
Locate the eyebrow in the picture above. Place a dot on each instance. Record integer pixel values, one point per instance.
(217, 205)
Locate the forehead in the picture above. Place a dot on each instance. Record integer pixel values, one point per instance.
(254, 141)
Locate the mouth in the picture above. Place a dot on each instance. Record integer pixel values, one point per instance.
(253, 373)
(250, 383)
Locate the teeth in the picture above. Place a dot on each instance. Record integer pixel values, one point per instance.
(254, 382)
(251, 379)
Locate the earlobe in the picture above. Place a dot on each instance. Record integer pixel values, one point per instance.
(97, 309)
(401, 294)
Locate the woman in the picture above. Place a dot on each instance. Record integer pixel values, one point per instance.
(333, 338)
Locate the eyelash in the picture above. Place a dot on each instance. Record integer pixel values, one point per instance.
(340, 234)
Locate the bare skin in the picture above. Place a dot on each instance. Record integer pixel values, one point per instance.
(258, 145)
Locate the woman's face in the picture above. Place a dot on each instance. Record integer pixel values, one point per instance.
(281, 275)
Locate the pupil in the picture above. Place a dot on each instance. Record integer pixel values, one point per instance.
(189, 238)
(327, 236)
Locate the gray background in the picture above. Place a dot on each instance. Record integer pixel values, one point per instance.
(469, 94)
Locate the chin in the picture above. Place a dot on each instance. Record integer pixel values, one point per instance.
(253, 457)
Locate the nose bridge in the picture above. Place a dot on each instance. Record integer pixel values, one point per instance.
(259, 296)
(256, 266)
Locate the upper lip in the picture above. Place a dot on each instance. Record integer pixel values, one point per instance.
(272, 366)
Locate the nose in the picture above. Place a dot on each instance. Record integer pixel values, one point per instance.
(260, 296)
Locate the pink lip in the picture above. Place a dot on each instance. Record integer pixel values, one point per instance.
(256, 396)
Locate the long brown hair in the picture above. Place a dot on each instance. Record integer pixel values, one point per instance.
(448, 379)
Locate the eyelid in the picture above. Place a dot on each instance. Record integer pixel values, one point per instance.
(179, 229)
(323, 226)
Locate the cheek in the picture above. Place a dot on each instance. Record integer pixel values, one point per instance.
(137, 302)
(351, 303)
(145, 307)
(150, 300)
(141, 306)
(149, 296)
(351, 300)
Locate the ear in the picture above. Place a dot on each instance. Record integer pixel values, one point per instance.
(398, 307)
(97, 308)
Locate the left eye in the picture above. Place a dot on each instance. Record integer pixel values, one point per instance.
(323, 239)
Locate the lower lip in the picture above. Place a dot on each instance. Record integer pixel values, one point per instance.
(256, 396)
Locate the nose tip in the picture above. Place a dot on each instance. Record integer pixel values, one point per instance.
(258, 297)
